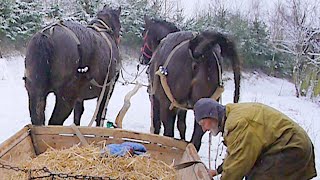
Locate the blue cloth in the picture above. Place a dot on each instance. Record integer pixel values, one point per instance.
(125, 148)
(137, 147)
(118, 149)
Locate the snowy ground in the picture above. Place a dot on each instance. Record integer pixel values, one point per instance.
(255, 87)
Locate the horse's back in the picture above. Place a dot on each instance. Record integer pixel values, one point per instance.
(170, 42)
(170, 45)
(55, 54)
(179, 65)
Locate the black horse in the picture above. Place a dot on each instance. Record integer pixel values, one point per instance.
(155, 31)
(72, 61)
(192, 72)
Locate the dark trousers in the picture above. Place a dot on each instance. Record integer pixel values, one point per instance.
(290, 164)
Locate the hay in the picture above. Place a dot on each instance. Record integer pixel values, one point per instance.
(88, 161)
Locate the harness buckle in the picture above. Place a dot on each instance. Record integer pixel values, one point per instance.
(163, 70)
(83, 69)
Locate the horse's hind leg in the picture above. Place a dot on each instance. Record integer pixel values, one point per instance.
(103, 106)
(168, 118)
(197, 136)
(182, 123)
(78, 111)
(100, 116)
(155, 115)
(37, 104)
(62, 110)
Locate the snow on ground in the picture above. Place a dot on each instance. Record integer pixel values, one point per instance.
(255, 87)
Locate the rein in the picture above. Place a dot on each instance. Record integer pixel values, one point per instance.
(138, 74)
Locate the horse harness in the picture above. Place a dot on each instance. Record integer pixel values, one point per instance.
(105, 28)
(162, 72)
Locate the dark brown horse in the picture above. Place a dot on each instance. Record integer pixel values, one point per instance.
(65, 58)
(191, 74)
(155, 31)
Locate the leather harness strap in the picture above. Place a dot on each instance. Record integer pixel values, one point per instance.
(81, 68)
(105, 84)
(101, 31)
(173, 52)
(163, 73)
(105, 28)
(60, 23)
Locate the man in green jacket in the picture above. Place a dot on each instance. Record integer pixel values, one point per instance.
(262, 143)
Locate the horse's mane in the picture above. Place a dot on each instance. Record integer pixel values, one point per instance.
(172, 27)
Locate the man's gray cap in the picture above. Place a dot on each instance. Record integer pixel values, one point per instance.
(208, 108)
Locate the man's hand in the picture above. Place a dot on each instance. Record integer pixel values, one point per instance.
(212, 173)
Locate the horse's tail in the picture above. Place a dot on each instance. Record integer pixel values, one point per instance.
(228, 49)
(38, 59)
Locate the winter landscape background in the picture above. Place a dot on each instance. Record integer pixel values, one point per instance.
(278, 42)
(255, 87)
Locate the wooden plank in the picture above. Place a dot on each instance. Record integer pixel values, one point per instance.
(120, 133)
(197, 171)
(21, 146)
(79, 135)
(13, 141)
(34, 142)
(62, 141)
(21, 152)
(126, 105)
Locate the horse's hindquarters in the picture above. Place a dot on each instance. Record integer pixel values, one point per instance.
(37, 75)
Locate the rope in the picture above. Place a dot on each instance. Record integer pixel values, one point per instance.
(216, 158)
(107, 102)
(133, 83)
(210, 142)
(220, 143)
(138, 74)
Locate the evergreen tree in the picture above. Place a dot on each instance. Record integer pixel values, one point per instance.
(20, 19)
(55, 11)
